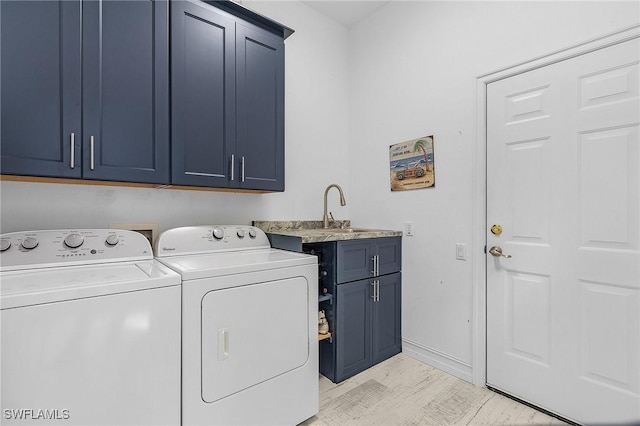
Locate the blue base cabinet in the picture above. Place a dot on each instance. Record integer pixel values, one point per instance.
(365, 313)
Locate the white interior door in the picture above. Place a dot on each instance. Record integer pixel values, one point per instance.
(563, 160)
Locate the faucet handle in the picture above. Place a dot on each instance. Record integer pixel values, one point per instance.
(331, 217)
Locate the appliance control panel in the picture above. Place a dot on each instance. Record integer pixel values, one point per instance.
(209, 239)
(39, 249)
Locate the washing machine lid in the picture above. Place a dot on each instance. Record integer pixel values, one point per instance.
(193, 267)
(48, 285)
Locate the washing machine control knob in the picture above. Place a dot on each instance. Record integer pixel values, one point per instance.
(29, 243)
(240, 233)
(218, 233)
(112, 240)
(4, 245)
(73, 240)
(253, 233)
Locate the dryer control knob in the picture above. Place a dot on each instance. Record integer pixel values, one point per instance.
(218, 233)
(29, 243)
(112, 240)
(4, 245)
(253, 233)
(73, 240)
(240, 233)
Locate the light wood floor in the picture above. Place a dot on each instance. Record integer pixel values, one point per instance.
(403, 391)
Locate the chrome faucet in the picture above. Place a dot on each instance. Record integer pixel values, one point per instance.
(325, 218)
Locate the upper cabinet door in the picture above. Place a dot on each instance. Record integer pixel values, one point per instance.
(126, 90)
(260, 108)
(40, 88)
(203, 96)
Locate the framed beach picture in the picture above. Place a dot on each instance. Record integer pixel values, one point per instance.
(411, 164)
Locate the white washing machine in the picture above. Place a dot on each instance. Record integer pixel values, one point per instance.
(249, 326)
(90, 327)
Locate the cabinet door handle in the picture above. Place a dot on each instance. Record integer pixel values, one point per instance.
(376, 265)
(92, 143)
(376, 290)
(72, 164)
(375, 262)
(233, 164)
(242, 167)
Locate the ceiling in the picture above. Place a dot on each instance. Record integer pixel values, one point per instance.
(348, 13)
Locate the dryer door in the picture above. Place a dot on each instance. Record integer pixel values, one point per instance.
(253, 333)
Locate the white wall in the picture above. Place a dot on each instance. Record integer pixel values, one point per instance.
(413, 69)
(316, 141)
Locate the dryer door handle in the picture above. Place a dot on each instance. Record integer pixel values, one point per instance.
(223, 344)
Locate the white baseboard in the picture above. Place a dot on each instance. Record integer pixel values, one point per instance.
(438, 360)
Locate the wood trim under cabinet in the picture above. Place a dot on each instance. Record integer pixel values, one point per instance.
(36, 179)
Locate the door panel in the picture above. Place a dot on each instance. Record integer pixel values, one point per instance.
(563, 156)
(126, 101)
(260, 101)
(203, 95)
(354, 260)
(353, 328)
(40, 88)
(609, 201)
(267, 338)
(389, 252)
(386, 327)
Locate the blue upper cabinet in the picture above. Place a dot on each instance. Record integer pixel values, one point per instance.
(85, 89)
(40, 88)
(227, 99)
(85, 92)
(125, 91)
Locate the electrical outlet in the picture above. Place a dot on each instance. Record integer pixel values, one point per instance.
(461, 251)
(409, 229)
(149, 230)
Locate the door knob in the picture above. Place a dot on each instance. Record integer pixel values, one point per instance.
(497, 252)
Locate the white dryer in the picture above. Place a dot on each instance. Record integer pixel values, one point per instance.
(90, 327)
(249, 327)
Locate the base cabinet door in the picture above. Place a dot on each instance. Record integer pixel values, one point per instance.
(388, 252)
(353, 328)
(386, 329)
(354, 260)
(368, 329)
